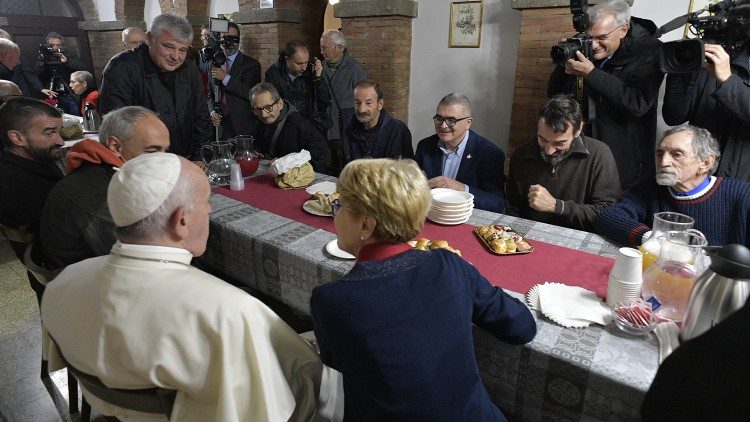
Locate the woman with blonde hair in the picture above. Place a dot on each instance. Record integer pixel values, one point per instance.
(398, 326)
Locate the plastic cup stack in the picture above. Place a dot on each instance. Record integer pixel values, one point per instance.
(626, 277)
(236, 182)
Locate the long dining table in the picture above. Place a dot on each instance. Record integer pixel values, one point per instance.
(261, 237)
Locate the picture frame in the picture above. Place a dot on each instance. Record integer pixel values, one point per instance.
(465, 24)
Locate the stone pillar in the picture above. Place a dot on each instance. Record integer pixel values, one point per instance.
(271, 29)
(379, 36)
(543, 24)
(105, 39)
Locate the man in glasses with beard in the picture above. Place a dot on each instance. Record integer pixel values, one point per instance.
(686, 158)
(563, 178)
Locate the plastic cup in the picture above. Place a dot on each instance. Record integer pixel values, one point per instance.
(628, 266)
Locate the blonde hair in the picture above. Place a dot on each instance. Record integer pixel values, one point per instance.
(394, 192)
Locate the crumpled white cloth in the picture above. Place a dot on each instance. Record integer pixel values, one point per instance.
(290, 161)
(573, 307)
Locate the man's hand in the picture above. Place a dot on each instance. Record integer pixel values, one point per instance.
(445, 182)
(318, 67)
(49, 93)
(215, 118)
(581, 67)
(61, 56)
(218, 73)
(540, 199)
(718, 62)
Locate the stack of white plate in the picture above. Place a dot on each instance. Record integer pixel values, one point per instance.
(450, 206)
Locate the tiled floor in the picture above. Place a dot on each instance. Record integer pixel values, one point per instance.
(23, 395)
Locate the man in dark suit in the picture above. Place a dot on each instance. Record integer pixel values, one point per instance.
(231, 110)
(457, 158)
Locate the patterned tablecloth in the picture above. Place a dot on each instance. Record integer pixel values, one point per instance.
(564, 374)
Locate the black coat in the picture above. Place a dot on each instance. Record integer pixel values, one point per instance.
(306, 93)
(625, 92)
(389, 138)
(243, 75)
(723, 110)
(132, 78)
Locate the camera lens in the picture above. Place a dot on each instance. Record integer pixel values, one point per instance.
(562, 52)
(682, 56)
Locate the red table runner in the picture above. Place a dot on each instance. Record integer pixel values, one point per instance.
(514, 272)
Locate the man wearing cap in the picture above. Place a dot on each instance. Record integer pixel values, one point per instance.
(76, 223)
(143, 317)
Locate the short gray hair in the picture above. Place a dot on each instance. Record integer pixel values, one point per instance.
(336, 37)
(51, 35)
(175, 25)
(84, 76)
(120, 123)
(5, 34)
(264, 87)
(618, 8)
(6, 44)
(156, 224)
(456, 98)
(704, 144)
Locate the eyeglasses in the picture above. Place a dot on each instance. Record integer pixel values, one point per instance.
(336, 206)
(268, 109)
(605, 36)
(450, 121)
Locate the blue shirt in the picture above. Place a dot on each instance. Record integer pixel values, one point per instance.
(452, 158)
(230, 61)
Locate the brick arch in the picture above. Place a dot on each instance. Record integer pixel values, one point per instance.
(88, 7)
(130, 9)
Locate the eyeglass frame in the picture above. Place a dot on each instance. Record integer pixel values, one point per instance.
(258, 111)
(449, 121)
(336, 206)
(605, 37)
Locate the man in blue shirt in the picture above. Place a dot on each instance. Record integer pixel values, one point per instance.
(457, 158)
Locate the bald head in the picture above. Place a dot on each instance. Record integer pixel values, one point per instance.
(8, 88)
(5, 34)
(10, 54)
(133, 36)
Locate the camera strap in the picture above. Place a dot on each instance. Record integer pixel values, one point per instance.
(579, 89)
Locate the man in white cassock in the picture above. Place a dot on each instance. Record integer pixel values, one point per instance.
(142, 316)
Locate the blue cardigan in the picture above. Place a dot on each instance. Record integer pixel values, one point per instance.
(400, 332)
(481, 169)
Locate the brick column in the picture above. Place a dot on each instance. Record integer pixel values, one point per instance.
(271, 29)
(543, 24)
(379, 34)
(105, 39)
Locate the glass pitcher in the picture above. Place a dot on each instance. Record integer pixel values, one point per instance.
(218, 167)
(663, 222)
(667, 284)
(245, 156)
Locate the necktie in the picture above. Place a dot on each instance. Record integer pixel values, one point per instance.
(224, 107)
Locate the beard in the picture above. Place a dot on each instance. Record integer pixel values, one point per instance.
(52, 153)
(666, 177)
(364, 117)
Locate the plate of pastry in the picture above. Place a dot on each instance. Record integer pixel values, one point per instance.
(321, 204)
(424, 244)
(502, 240)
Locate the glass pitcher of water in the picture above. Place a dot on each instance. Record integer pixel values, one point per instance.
(222, 157)
(663, 223)
(667, 284)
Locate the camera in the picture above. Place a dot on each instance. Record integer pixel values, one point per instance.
(579, 42)
(213, 52)
(727, 26)
(47, 55)
(52, 64)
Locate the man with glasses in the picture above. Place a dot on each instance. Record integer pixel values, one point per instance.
(457, 158)
(372, 131)
(133, 37)
(564, 177)
(281, 130)
(620, 87)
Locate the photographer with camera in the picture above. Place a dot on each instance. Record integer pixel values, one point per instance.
(231, 80)
(22, 74)
(54, 68)
(300, 81)
(717, 98)
(621, 79)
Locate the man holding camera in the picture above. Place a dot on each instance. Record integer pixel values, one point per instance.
(621, 86)
(156, 76)
(229, 103)
(54, 69)
(716, 98)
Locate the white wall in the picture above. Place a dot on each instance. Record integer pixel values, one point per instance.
(485, 74)
(106, 9)
(222, 6)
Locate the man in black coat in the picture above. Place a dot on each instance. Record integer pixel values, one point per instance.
(229, 103)
(621, 87)
(23, 75)
(281, 130)
(54, 72)
(156, 76)
(301, 83)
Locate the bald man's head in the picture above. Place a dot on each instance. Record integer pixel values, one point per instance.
(8, 88)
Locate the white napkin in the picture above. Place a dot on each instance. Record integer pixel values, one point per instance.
(571, 306)
(290, 161)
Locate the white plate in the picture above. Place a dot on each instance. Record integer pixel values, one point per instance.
(332, 248)
(325, 187)
(452, 197)
(306, 206)
(446, 222)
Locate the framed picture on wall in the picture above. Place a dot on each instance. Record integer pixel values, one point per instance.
(466, 24)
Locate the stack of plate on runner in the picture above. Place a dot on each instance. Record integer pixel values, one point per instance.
(450, 206)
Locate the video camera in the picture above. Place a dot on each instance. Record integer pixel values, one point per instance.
(213, 53)
(52, 64)
(578, 42)
(47, 54)
(727, 26)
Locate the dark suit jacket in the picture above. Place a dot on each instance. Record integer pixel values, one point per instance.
(243, 75)
(481, 169)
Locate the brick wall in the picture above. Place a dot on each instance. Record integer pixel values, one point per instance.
(264, 40)
(540, 30)
(104, 45)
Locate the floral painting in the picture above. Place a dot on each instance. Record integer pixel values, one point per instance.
(466, 24)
